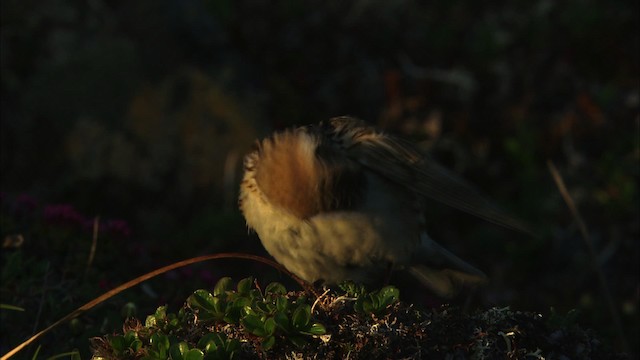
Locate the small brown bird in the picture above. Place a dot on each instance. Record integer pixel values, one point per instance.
(343, 201)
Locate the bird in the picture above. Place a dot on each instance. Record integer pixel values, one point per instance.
(341, 200)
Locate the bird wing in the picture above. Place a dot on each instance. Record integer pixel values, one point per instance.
(402, 162)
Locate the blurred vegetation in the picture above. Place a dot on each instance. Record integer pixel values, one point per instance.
(250, 323)
(139, 113)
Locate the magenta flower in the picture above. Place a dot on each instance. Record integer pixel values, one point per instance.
(25, 202)
(117, 227)
(207, 276)
(63, 214)
(105, 284)
(186, 272)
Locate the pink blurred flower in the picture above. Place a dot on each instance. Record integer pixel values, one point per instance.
(186, 272)
(207, 276)
(25, 202)
(63, 214)
(105, 284)
(117, 227)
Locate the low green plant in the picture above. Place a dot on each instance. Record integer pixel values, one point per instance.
(218, 346)
(353, 289)
(266, 315)
(270, 316)
(367, 302)
(127, 344)
(378, 301)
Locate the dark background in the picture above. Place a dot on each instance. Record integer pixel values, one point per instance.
(139, 112)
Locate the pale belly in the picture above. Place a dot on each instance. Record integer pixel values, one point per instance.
(341, 245)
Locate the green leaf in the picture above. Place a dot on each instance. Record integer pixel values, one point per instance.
(248, 310)
(194, 354)
(132, 341)
(376, 301)
(161, 312)
(211, 307)
(173, 322)
(118, 344)
(232, 345)
(222, 286)
(367, 305)
(268, 342)
(178, 351)
(389, 295)
(202, 299)
(275, 288)
(235, 310)
(208, 342)
(269, 326)
(245, 285)
(219, 305)
(281, 303)
(130, 336)
(282, 320)
(255, 294)
(136, 345)
(317, 329)
(301, 317)
(254, 325)
(150, 321)
(242, 302)
(263, 307)
(160, 343)
(352, 289)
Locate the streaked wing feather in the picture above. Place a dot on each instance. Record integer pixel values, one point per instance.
(401, 162)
